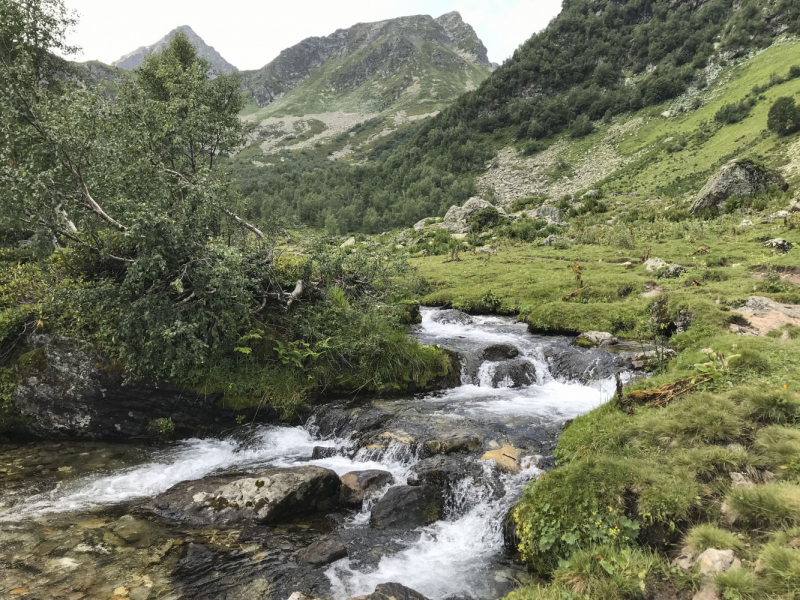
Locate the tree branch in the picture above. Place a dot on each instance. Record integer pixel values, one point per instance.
(258, 233)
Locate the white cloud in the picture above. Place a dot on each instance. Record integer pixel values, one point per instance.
(250, 33)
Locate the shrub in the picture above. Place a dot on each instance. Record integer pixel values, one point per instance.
(703, 537)
(734, 112)
(581, 127)
(485, 217)
(773, 504)
(784, 116)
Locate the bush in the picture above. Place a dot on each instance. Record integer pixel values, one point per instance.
(734, 112)
(784, 116)
(581, 127)
(702, 537)
(771, 505)
(485, 217)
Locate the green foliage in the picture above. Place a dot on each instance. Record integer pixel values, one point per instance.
(773, 504)
(769, 405)
(702, 537)
(781, 569)
(734, 112)
(483, 219)
(738, 584)
(784, 116)
(161, 427)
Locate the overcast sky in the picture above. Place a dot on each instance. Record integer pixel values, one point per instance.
(250, 33)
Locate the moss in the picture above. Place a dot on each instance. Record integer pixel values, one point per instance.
(32, 362)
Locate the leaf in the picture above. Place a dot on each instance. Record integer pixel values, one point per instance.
(243, 350)
(607, 567)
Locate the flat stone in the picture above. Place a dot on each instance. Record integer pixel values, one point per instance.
(360, 485)
(267, 497)
(506, 458)
(322, 552)
(596, 338)
(654, 264)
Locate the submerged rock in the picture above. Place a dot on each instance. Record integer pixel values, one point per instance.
(360, 485)
(322, 552)
(454, 443)
(406, 507)
(741, 178)
(451, 316)
(267, 497)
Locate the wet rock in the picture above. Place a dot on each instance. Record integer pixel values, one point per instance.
(714, 561)
(654, 264)
(650, 359)
(302, 596)
(779, 245)
(741, 178)
(443, 472)
(451, 316)
(360, 485)
(518, 372)
(454, 443)
(574, 364)
(506, 459)
(322, 552)
(590, 339)
(135, 532)
(672, 272)
(68, 392)
(406, 507)
(500, 352)
(391, 591)
(320, 452)
(267, 497)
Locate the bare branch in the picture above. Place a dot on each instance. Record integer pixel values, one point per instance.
(258, 233)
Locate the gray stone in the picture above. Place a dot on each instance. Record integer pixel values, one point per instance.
(654, 264)
(455, 221)
(451, 316)
(500, 352)
(406, 507)
(454, 443)
(714, 561)
(779, 245)
(794, 206)
(360, 485)
(348, 242)
(781, 214)
(596, 338)
(322, 552)
(266, 497)
(746, 223)
(741, 178)
(672, 272)
(550, 240)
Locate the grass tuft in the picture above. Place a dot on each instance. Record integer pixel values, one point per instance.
(702, 537)
(771, 505)
(739, 584)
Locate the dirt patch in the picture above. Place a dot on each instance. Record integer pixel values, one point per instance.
(788, 274)
(763, 315)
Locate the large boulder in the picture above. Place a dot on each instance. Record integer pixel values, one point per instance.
(69, 391)
(738, 178)
(455, 221)
(361, 485)
(406, 507)
(267, 497)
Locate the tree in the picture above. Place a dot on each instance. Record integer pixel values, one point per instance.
(784, 116)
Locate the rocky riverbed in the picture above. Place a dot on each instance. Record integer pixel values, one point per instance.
(371, 490)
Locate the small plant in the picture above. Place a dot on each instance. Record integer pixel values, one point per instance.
(717, 365)
(577, 270)
(163, 427)
(738, 584)
(703, 537)
(490, 301)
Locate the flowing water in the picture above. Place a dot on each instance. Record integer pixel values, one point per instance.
(74, 516)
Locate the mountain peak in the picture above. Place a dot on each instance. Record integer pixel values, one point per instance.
(136, 58)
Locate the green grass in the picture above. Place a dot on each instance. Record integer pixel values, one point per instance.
(770, 505)
(705, 536)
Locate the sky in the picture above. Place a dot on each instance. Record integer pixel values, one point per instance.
(250, 33)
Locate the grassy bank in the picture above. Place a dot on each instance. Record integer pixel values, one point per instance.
(636, 483)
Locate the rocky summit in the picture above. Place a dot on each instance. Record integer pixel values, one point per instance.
(136, 58)
(374, 66)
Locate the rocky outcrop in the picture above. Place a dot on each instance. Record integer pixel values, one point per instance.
(267, 497)
(740, 178)
(361, 485)
(69, 391)
(514, 373)
(500, 352)
(456, 219)
(406, 507)
(136, 58)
